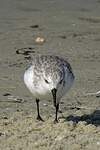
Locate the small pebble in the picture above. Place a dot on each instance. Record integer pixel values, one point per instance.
(34, 26)
(6, 94)
(45, 104)
(4, 117)
(39, 40)
(1, 134)
(63, 36)
(98, 143)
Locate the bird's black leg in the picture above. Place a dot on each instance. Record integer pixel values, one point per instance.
(38, 114)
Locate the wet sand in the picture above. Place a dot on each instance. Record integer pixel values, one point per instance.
(71, 30)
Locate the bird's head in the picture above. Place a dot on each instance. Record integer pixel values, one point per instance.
(52, 82)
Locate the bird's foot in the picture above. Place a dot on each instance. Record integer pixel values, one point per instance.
(56, 121)
(39, 118)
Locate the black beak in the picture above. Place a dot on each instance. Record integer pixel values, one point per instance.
(54, 91)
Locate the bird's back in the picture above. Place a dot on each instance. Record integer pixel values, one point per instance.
(49, 63)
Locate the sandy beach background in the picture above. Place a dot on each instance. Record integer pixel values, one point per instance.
(71, 29)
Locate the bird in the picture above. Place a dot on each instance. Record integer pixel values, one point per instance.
(48, 76)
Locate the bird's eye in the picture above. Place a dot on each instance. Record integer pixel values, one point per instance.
(61, 81)
(46, 81)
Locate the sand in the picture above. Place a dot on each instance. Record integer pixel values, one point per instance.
(70, 29)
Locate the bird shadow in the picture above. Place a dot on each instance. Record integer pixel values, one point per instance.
(93, 118)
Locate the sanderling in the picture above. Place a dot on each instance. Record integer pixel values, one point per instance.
(48, 77)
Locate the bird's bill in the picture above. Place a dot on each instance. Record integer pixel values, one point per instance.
(54, 91)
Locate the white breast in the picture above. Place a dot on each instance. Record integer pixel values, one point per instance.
(28, 79)
(38, 91)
